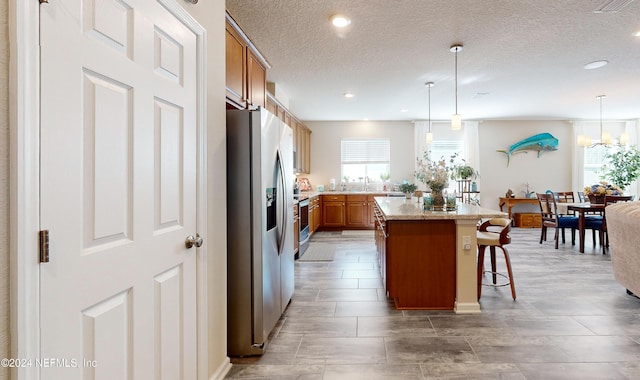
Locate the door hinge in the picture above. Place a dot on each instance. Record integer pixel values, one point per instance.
(44, 1)
(44, 246)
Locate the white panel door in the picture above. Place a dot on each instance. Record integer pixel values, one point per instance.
(118, 191)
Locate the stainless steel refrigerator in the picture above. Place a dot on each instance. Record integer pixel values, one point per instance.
(260, 258)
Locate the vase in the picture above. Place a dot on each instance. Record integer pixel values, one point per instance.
(596, 199)
(407, 195)
(438, 198)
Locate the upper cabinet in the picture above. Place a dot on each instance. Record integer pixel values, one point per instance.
(246, 83)
(301, 135)
(236, 72)
(246, 69)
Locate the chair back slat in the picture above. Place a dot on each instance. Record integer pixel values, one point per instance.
(564, 196)
(611, 199)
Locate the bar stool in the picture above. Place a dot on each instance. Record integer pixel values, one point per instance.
(494, 233)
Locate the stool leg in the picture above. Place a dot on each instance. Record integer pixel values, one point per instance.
(481, 249)
(494, 275)
(508, 261)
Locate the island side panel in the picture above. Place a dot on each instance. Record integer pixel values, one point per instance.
(421, 263)
(466, 262)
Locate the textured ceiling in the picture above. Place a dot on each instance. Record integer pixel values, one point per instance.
(522, 59)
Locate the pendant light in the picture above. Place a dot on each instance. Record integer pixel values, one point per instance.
(605, 137)
(429, 134)
(456, 120)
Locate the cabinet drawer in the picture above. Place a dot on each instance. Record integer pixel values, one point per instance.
(528, 220)
(357, 198)
(333, 198)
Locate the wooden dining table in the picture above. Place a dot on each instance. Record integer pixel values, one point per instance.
(582, 209)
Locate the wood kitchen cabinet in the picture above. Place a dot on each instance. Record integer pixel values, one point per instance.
(381, 242)
(246, 69)
(236, 68)
(314, 214)
(357, 215)
(301, 134)
(371, 217)
(304, 149)
(256, 82)
(296, 229)
(333, 210)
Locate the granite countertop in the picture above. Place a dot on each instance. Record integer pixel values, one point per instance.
(311, 194)
(410, 209)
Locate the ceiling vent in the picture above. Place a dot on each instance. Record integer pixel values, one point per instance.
(613, 6)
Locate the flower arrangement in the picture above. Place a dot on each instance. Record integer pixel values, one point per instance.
(435, 174)
(602, 188)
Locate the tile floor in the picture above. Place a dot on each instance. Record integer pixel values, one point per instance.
(571, 320)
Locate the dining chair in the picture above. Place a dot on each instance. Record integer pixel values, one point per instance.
(564, 196)
(494, 233)
(591, 218)
(550, 218)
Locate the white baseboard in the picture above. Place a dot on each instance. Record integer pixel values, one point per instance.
(222, 371)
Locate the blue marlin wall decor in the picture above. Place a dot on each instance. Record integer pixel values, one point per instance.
(542, 142)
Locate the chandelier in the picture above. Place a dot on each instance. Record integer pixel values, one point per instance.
(605, 137)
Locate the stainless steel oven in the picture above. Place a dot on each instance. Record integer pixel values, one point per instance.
(303, 212)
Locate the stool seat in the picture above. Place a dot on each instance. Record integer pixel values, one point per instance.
(488, 238)
(494, 233)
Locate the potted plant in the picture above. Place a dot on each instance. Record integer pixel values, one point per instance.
(466, 172)
(622, 166)
(385, 177)
(408, 189)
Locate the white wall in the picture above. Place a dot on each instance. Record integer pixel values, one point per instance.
(325, 147)
(211, 15)
(551, 171)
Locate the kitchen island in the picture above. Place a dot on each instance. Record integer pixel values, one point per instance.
(428, 258)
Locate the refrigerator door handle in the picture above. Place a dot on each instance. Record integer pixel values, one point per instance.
(282, 195)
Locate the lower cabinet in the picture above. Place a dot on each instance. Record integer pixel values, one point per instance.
(349, 211)
(314, 214)
(381, 242)
(296, 229)
(316, 220)
(333, 210)
(356, 212)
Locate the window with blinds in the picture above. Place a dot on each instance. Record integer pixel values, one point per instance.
(365, 158)
(446, 149)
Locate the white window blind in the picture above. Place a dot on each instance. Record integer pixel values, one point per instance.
(363, 151)
(446, 148)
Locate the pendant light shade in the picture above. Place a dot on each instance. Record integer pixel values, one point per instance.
(605, 137)
(456, 119)
(429, 133)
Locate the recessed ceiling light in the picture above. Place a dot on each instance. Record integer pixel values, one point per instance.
(595, 64)
(348, 95)
(340, 21)
(404, 110)
(637, 34)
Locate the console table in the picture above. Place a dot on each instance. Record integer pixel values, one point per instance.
(511, 202)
